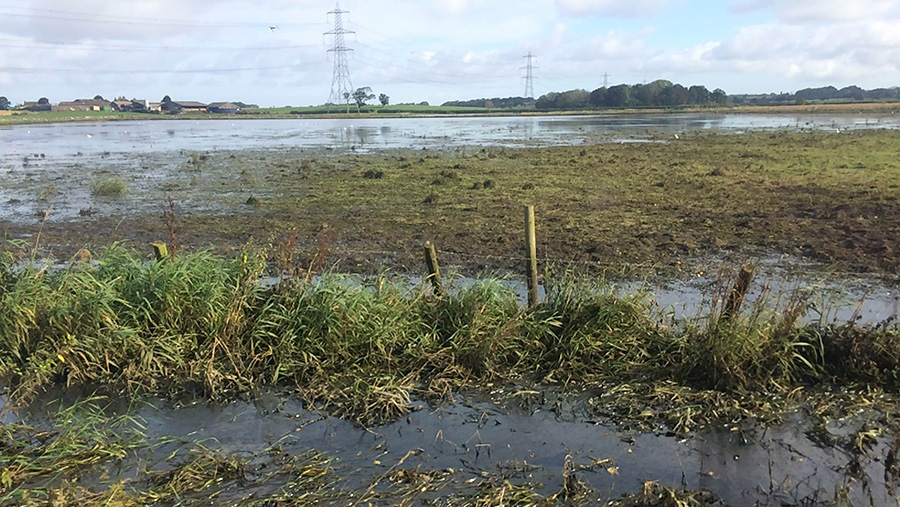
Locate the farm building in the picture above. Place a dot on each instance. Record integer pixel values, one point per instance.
(133, 105)
(83, 105)
(178, 106)
(33, 106)
(224, 107)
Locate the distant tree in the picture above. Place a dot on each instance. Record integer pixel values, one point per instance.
(618, 96)
(698, 94)
(361, 95)
(719, 96)
(166, 99)
(573, 99)
(547, 101)
(598, 97)
(499, 103)
(43, 101)
(648, 94)
(98, 97)
(4, 103)
(384, 99)
(676, 95)
(489, 104)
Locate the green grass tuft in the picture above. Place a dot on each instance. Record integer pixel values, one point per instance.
(112, 186)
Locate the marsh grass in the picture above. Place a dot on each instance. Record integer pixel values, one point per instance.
(195, 475)
(111, 186)
(364, 351)
(82, 436)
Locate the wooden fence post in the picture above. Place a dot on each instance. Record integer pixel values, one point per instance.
(739, 292)
(161, 250)
(434, 270)
(531, 246)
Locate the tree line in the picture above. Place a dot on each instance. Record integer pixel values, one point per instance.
(823, 94)
(507, 103)
(659, 93)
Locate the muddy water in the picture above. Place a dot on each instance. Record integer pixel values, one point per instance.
(139, 137)
(56, 165)
(743, 462)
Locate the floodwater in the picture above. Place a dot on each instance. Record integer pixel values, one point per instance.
(743, 462)
(155, 136)
(829, 299)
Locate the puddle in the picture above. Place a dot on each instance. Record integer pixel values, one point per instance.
(743, 463)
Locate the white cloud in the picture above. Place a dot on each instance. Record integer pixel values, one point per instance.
(809, 11)
(454, 7)
(622, 8)
(415, 50)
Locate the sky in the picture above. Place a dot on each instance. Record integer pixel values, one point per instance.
(275, 52)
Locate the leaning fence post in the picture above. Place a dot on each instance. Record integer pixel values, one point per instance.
(162, 252)
(434, 270)
(739, 292)
(531, 246)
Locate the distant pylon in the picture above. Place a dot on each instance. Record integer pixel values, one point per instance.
(341, 86)
(606, 79)
(529, 69)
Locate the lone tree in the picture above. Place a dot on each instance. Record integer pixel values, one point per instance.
(361, 95)
(4, 103)
(166, 99)
(43, 101)
(98, 97)
(384, 99)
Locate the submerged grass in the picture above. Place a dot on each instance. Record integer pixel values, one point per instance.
(34, 460)
(364, 350)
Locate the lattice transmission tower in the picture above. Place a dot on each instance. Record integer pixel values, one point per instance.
(529, 69)
(341, 86)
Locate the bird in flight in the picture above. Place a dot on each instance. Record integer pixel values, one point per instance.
(273, 27)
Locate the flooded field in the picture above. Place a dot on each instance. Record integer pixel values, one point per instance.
(128, 138)
(463, 452)
(358, 389)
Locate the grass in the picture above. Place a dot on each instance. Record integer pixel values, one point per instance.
(825, 197)
(81, 437)
(85, 456)
(363, 351)
(79, 456)
(111, 186)
(27, 117)
(341, 109)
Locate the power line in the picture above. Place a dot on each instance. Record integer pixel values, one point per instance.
(89, 17)
(341, 86)
(44, 70)
(529, 75)
(52, 45)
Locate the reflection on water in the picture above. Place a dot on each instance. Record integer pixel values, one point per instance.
(743, 462)
(65, 140)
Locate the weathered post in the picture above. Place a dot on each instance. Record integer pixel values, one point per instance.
(531, 247)
(434, 270)
(739, 292)
(162, 252)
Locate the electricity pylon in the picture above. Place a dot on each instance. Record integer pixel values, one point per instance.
(341, 86)
(529, 69)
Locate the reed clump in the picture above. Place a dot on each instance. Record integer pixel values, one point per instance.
(365, 350)
(111, 186)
